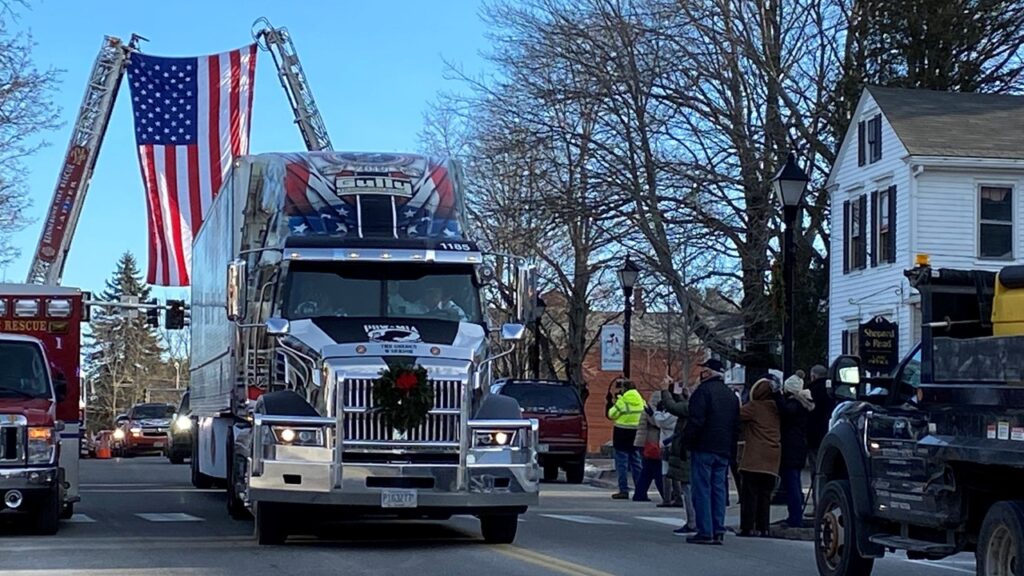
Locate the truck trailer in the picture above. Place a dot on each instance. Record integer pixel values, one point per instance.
(341, 353)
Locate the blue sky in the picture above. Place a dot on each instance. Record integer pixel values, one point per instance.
(373, 68)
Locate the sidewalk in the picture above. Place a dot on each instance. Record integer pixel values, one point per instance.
(600, 473)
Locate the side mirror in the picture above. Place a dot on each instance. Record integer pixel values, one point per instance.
(60, 386)
(844, 378)
(236, 290)
(526, 293)
(277, 326)
(513, 331)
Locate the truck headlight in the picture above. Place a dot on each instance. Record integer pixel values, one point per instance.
(41, 445)
(135, 430)
(118, 434)
(494, 438)
(295, 436)
(182, 423)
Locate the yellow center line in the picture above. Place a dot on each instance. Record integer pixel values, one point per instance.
(549, 562)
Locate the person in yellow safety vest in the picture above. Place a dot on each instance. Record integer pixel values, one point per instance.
(625, 410)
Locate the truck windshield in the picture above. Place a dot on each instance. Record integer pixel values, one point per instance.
(440, 292)
(153, 411)
(24, 372)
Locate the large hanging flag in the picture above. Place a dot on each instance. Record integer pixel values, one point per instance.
(192, 117)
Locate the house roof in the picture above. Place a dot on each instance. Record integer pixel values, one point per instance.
(956, 124)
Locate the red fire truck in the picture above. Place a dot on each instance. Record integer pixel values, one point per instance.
(40, 425)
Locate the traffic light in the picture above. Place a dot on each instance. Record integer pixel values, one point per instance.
(152, 314)
(175, 319)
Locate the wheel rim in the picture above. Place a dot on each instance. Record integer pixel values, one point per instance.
(1001, 553)
(832, 536)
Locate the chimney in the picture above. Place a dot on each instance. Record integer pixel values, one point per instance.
(639, 306)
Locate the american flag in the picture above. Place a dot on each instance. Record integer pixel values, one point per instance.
(192, 116)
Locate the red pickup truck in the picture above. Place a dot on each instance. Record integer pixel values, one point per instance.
(557, 405)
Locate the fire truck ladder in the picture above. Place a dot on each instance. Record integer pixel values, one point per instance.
(79, 161)
(278, 42)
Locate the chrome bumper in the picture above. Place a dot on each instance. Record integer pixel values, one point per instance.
(485, 478)
(27, 478)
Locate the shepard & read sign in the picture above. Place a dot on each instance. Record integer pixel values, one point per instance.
(879, 344)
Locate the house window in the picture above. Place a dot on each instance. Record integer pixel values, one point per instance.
(995, 223)
(884, 226)
(855, 236)
(851, 340)
(874, 130)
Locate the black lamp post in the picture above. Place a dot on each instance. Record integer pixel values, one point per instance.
(535, 351)
(627, 279)
(789, 185)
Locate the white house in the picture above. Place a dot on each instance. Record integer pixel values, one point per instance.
(920, 172)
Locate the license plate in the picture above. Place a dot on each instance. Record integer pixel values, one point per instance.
(158, 445)
(543, 448)
(398, 499)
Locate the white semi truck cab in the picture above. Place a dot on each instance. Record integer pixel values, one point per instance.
(342, 351)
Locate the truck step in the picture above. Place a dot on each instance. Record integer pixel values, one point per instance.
(912, 545)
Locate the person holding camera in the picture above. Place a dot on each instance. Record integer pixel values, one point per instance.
(625, 409)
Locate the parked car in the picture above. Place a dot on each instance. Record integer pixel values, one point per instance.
(145, 430)
(557, 405)
(179, 433)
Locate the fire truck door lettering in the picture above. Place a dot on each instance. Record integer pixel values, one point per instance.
(24, 325)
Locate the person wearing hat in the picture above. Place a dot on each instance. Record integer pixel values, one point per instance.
(711, 434)
(625, 410)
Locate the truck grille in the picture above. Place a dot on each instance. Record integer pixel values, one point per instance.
(363, 425)
(10, 444)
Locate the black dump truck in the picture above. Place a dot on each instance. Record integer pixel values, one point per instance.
(930, 459)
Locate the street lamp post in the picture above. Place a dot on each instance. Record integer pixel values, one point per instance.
(535, 350)
(627, 279)
(789, 185)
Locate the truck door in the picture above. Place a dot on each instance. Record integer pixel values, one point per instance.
(903, 476)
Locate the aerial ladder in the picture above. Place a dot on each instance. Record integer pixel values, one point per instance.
(94, 116)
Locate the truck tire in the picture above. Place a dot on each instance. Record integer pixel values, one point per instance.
(1001, 541)
(236, 507)
(835, 540)
(176, 458)
(574, 473)
(47, 518)
(271, 527)
(550, 472)
(67, 511)
(499, 528)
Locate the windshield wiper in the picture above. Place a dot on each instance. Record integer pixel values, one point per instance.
(19, 391)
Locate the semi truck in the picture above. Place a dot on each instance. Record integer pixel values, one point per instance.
(341, 352)
(40, 341)
(930, 458)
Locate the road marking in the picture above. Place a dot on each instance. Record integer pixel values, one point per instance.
(79, 519)
(937, 565)
(169, 517)
(580, 519)
(154, 490)
(548, 562)
(668, 521)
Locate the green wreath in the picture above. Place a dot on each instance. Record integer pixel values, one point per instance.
(403, 395)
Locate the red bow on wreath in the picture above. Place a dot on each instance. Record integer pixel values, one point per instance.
(406, 381)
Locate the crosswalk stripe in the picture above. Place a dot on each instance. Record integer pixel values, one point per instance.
(169, 517)
(676, 522)
(79, 519)
(579, 519)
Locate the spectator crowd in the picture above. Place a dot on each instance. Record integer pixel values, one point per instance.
(688, 440)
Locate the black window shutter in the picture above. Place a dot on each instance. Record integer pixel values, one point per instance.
(876, 210)
(878, 137)
(863, 252)
(846, 237)
(860, 143)
(846, 341)
(892, 223)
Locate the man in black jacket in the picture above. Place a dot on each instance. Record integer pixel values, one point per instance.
(817, 422)
(711, 434)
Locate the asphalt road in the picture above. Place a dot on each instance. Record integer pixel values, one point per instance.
(141, 517)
